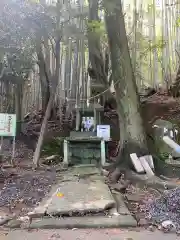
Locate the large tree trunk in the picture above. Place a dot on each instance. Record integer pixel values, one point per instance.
(132, 134)
(54, 83)
(44, 80)
(43, 131)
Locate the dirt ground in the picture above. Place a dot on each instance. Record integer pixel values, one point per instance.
(88, 234)
(21, 187)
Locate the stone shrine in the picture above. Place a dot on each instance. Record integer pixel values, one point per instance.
(83, 146)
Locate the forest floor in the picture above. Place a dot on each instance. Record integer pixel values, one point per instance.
(22, 188)
(161, 106)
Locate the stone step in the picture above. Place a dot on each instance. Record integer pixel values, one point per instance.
(84, 222)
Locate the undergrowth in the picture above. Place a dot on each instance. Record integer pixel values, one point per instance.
(54, 147)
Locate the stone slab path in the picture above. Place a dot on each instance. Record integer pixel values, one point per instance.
(81, 197)
(81, 190)
(84, 201)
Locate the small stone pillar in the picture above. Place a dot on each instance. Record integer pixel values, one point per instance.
(103, 153)
(66, 160)
(77, 119)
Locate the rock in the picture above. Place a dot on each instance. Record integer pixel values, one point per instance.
(56, 235)
(38, 212)
(173, 163)
(159, 227)
(113, 212)
(143, 222)
(4, 220)
(24, 219)
(48, 160)
(175, 155)
(15, 223)
(167, 225)
(65, 166)
(151, 228)
(162, 128)
(51, 157)
(163, 124)
(133, 197)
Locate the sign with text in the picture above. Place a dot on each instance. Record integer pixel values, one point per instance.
(7, 125)
(103, 131)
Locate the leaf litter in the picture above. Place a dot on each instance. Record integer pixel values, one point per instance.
(165, 208)
(21, 187)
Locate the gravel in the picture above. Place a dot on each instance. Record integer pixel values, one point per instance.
(28, 189)
(167, 207)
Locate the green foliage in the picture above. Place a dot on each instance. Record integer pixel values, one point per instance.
(163, 156)
(178, 22)
(54, 147)
(159, 45)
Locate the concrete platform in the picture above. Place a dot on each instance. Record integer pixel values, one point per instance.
(80, 197)
(82, 190)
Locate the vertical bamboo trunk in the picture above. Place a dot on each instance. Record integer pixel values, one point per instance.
(140, 30)
(166, 54)
(155, 63)
(134, 50)
(74, 70)
(150, 44)
(18, 106)
(67, 74)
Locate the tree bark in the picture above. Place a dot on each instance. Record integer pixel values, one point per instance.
(132, 134)
(44, 80)
(43, 131)
(54, 82)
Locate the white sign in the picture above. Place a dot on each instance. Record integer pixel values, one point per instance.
(7, 125)
(103, 131)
